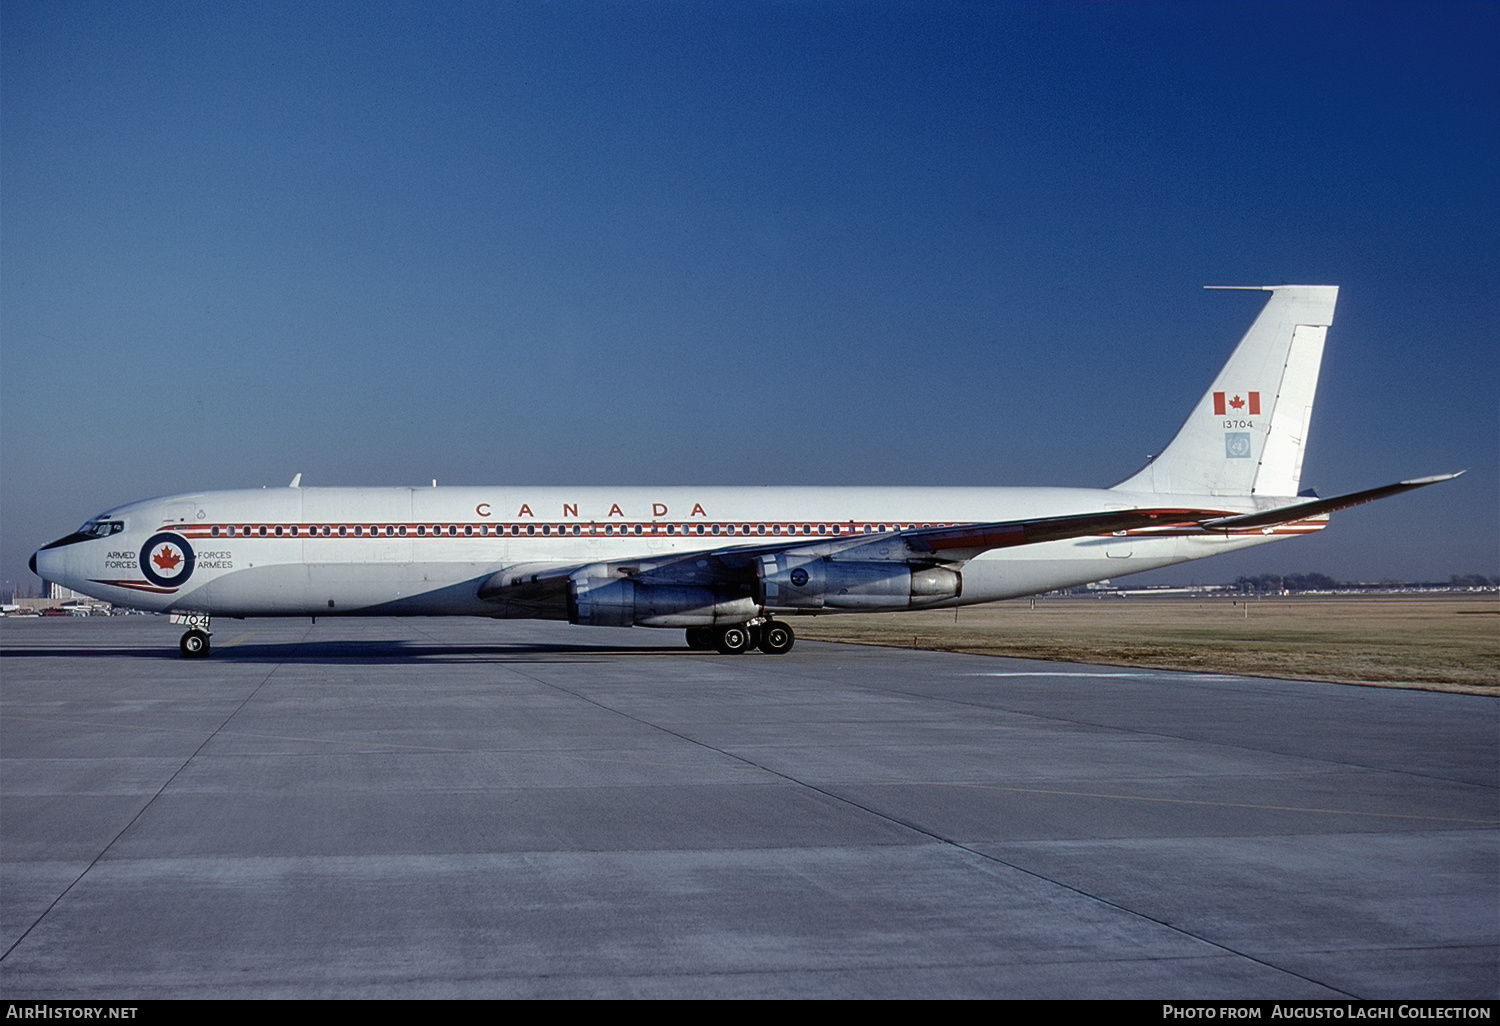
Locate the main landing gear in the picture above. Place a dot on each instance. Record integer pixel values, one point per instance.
(194, 644)
(770, 636)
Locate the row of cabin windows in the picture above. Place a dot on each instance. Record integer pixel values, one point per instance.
(487, 530)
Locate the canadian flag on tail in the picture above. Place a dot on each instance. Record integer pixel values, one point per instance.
(1248, 403)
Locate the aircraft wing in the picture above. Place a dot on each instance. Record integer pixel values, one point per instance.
(546, 584)
(736, 564)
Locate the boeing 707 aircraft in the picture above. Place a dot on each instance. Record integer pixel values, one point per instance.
(731, 565)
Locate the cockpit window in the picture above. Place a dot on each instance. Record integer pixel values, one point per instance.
(99, 527)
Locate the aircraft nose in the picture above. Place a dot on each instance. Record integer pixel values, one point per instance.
(32, 564)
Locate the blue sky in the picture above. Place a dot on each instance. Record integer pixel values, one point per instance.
(740, 243)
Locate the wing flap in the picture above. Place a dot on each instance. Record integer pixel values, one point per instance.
(978, 538)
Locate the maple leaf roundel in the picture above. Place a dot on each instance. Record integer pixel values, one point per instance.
(166, 559)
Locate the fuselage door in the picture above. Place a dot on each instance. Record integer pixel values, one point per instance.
(177, 513)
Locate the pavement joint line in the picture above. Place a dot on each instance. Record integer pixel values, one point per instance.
(947, 841)
(21, 937)
(372, 748)
(906, 813)
(1217, 805)
(369, 746)
(1153, 733)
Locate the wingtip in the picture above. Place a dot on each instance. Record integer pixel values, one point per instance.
(1266, 288)
(1436, 478)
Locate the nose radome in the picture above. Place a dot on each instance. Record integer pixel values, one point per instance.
(32, 564)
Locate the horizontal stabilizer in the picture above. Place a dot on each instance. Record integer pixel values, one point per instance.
(1318, 507)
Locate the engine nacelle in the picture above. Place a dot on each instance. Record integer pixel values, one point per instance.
(799, 583)
(622, 602)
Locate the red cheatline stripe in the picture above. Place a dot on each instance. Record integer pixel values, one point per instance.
(139, 586)
(533, 529)
(996, 537)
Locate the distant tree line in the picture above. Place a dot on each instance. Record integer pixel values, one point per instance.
(1285, 582)
(1276, 583)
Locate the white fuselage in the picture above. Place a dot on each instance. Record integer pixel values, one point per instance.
(426, 551)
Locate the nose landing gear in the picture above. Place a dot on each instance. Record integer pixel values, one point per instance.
(194, 644)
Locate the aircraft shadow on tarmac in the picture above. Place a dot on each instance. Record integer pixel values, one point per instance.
(367, 652)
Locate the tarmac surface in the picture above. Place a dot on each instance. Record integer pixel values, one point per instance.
(465, 808)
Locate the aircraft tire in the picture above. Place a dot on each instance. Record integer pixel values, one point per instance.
(776, 638)
(194, 645)
(732, 640)
(701, 638)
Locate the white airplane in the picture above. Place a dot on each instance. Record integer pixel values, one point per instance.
(729, 564)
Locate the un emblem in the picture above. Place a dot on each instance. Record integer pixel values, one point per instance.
(1237, 445)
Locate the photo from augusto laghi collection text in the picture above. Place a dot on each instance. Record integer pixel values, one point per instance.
(1326, 1010)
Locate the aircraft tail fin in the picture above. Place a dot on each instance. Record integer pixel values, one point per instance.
(1248, 433)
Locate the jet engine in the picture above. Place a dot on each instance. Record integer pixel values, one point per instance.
(789, 582)
(622, 602)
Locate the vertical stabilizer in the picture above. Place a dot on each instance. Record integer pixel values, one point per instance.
(1248, 433)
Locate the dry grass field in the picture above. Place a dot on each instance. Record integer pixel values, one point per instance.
(1438, 642)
